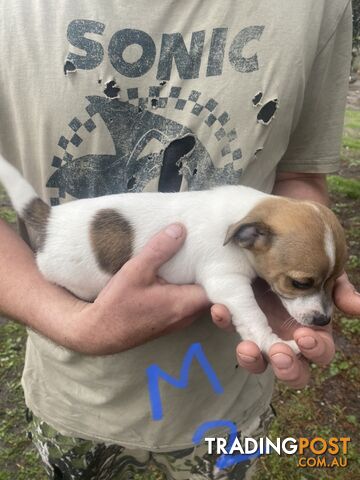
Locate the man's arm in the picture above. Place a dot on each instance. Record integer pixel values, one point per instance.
(311, 186)
(102, 327)
(315, 345)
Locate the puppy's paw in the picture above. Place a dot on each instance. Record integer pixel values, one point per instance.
(293, 345)
(268, 341)
(275, 339)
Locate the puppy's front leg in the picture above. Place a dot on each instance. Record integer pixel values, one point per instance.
(235, 292)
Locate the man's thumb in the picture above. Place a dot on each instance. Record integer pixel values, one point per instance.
(346, 298)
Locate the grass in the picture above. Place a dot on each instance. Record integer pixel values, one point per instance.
(18, 459)
(8, 215)
(346, 187)
(328, 407)
(351, 140)
(351, 125)
(350, 326)
(352, 143)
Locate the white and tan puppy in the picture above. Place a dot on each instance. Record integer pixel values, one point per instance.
(234, 234)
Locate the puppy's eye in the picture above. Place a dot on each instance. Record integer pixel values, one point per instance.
(302, 285)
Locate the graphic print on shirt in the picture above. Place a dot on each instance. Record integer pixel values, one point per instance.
(153, 145)
(132, 128)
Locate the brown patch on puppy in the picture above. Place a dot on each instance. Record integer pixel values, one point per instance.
(36, 215)
(111, 237)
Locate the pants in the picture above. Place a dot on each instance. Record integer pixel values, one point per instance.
(67, 458)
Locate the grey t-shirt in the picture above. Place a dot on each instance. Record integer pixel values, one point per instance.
(106, 97)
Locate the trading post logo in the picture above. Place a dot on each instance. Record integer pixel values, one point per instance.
(316, 452)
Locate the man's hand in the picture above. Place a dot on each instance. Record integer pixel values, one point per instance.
(133, 308)
(136, 305)
(315, 345)
(346, 298)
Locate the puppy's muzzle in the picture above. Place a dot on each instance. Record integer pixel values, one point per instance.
(321, 320)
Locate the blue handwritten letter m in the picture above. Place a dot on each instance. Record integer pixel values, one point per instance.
(154, 373)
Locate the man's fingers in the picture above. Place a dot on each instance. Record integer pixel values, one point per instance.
(287, 367)
(222, 317)
(158, 250)
(346, 298)
(316, 346)
(250, 357)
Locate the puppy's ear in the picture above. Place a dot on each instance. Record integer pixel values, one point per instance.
(253, 235)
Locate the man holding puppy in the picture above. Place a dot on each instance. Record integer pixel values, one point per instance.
(101, 100)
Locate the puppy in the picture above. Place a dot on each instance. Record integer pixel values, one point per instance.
(234, 234)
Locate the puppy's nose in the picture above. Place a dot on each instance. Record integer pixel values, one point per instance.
(320, 320)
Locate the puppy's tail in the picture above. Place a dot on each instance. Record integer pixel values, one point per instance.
(24, 199)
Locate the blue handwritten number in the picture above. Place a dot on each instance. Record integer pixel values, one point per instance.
(225, 460)
(154, 372)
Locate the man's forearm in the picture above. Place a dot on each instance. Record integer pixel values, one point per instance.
(303, 186)
(25, 295)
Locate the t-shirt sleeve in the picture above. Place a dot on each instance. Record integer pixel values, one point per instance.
(314, 145)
